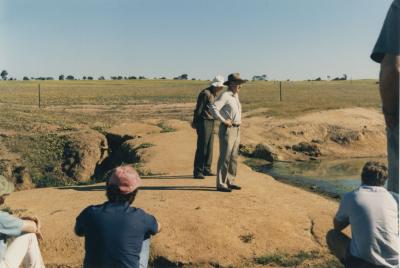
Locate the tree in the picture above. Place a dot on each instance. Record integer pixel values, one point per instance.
(70, 77)
(4, 74)
(344, 77)
(132, 78)
(89, 78)
(49, 78)
(102, 78)
(25, 78)
(259, 77)
(61, 77)
(181, 77)
(84, 78)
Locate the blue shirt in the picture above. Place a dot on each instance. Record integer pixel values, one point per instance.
(9, 226)
(114, 233)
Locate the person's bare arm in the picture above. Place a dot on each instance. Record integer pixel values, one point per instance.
(29, 226)
(389, 88)
(32, 224)
(215, 110)
(338, 225)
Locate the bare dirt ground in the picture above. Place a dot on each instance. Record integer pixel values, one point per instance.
(203, 227)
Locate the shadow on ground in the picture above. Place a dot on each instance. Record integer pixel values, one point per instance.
(158, 188)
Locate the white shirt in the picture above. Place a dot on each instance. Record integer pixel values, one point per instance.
(227, 106)
(373, 214)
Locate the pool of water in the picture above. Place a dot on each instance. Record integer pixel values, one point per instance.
(330, 177)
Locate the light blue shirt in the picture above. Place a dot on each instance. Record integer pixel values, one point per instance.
(9, 226)
(373, 213)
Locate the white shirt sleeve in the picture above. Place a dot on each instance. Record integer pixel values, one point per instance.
(216, 107)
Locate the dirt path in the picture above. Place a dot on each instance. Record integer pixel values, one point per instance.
(200, 226)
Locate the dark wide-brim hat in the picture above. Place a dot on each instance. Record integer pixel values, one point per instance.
(235, 77)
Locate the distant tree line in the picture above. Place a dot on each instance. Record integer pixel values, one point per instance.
(344, 77)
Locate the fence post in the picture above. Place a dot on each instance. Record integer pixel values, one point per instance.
(280, 90)
(39, 95)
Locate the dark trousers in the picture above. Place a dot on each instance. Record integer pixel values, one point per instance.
(339, 244)
(204, 151)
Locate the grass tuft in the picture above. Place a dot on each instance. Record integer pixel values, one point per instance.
(286, 260)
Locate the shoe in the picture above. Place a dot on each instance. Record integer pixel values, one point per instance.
(224, 189)
(234, 187)
(198, 176)
(209, 173)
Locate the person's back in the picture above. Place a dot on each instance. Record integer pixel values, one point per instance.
(372, 212)
(114, 234)
(373, 216)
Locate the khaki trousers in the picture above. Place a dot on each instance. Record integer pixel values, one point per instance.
(229, 140)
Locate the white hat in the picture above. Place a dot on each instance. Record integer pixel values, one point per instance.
(218, 81)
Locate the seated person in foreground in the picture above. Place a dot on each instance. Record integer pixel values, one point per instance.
(116, 234)
(373, 213)
(24, 249)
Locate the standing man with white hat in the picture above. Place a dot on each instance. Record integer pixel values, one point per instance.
(228, 110)
(203, 122)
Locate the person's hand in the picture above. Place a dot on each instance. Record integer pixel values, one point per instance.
(36, 220)
(228, 122)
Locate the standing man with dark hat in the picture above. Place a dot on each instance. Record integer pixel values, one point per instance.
(203, 122)
(228, 110)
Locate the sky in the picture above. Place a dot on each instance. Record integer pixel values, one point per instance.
(284, 39)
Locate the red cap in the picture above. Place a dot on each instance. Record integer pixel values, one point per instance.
(126, 178)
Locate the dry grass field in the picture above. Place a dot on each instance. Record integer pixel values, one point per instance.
(67, 106)
(297, 96)
(49, 146)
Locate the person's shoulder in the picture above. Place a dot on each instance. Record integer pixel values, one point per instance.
(207, 92)
(394, 195)
(349, 196)
(138, 212)
(5, 215)
(226, 94)
(93, 208)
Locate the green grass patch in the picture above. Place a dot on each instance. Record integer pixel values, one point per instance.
(165, 128)
(145, 145)
(42, 155)
(286, 260)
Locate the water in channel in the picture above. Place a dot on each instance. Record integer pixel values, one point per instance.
(329, 177)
